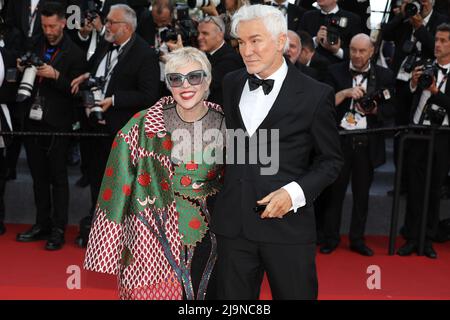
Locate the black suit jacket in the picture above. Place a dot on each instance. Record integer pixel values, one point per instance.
(294, 15)
(18, 13)
(59, 102)
(134, 81)
(222, 62)
(310, 72)
(399, 31)
(320, 64)
(339, 78)
(303, 114)
(313, 20)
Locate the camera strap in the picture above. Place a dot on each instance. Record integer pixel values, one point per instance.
(49, 61)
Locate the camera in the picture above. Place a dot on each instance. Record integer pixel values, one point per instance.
(30, 61)
(91, 94)
(413, 8)
(429, 71)
(435, 115)
(92, 11)
(333, 23)
(370, 101)
(202, 3)
(183, 25)
(410, 48)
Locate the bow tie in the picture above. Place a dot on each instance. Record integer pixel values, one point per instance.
(443, 70)
(355, 73)
(254, 83)
(113, 47)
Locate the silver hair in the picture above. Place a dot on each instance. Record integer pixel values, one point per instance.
(217, 21)
(129, 14)
(184, 56)
(273, 20)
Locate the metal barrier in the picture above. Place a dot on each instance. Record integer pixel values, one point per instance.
(405, 131)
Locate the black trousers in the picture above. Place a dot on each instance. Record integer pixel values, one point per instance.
(2, 184)
(290, 268)
(47, 160)
(358, 167)
(416, 167)
(99, 154)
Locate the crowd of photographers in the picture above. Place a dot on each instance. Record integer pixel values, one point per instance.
(90, 65)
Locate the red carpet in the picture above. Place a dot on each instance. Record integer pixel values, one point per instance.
(27, 271)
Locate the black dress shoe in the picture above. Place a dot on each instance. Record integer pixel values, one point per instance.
(36, 233)
(362, 249)
(2, 228)
(429, 252)
(328, 248)
(407, 249)
(56, 240)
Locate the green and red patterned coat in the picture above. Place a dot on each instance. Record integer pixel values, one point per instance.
(150, 214)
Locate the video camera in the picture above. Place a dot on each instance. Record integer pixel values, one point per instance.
(31, 62)
(369, 101)
(91, 93)
(183, 25)
(333, 23)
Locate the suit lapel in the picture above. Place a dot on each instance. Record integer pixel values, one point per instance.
(235, 110)
(286, 99)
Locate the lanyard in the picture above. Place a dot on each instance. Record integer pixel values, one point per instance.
(50, 60)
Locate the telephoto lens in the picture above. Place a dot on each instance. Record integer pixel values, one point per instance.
(30, 61)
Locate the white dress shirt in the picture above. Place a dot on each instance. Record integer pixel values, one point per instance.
(114, 57)
(426, 94)
(254, 107)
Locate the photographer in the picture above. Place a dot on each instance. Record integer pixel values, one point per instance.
(49, 108)
(331, 28)
(130, 72)
(431, 106)
(310, 58)
(364, 100)
(413, 36)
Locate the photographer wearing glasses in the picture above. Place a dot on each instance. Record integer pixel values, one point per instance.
(431, 106)
(123, 79)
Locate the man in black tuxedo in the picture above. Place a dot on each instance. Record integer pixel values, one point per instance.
(315, 23)
(222, 56)
(154, 21)
(25, 16)
(293, 54)
(292, 12)
(431, 106)
(131, 70)
(362, 153)
(50, 109)
(271, 94)
(310, 58)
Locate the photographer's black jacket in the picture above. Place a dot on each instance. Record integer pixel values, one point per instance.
(339, 78)
(58, 99)
(312, 21)
(134, 81)
(400, 30)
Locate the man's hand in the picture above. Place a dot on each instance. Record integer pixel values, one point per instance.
(105, 103)
(19, 67)
(278, 204)
(172, 45)
(416, 21)
(210, 10)
(321, 36)
(333, 48)
(417, 72)
(355, 93)
(47, 71)
(75, 84)
(433, 88)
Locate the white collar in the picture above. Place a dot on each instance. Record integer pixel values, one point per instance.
(278, 75)
(124, 44)
(214, 51)
(427, 18)
(334, 11)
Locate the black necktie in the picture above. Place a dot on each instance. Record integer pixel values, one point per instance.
(254, 83)
(113, 47)
(443, 70)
